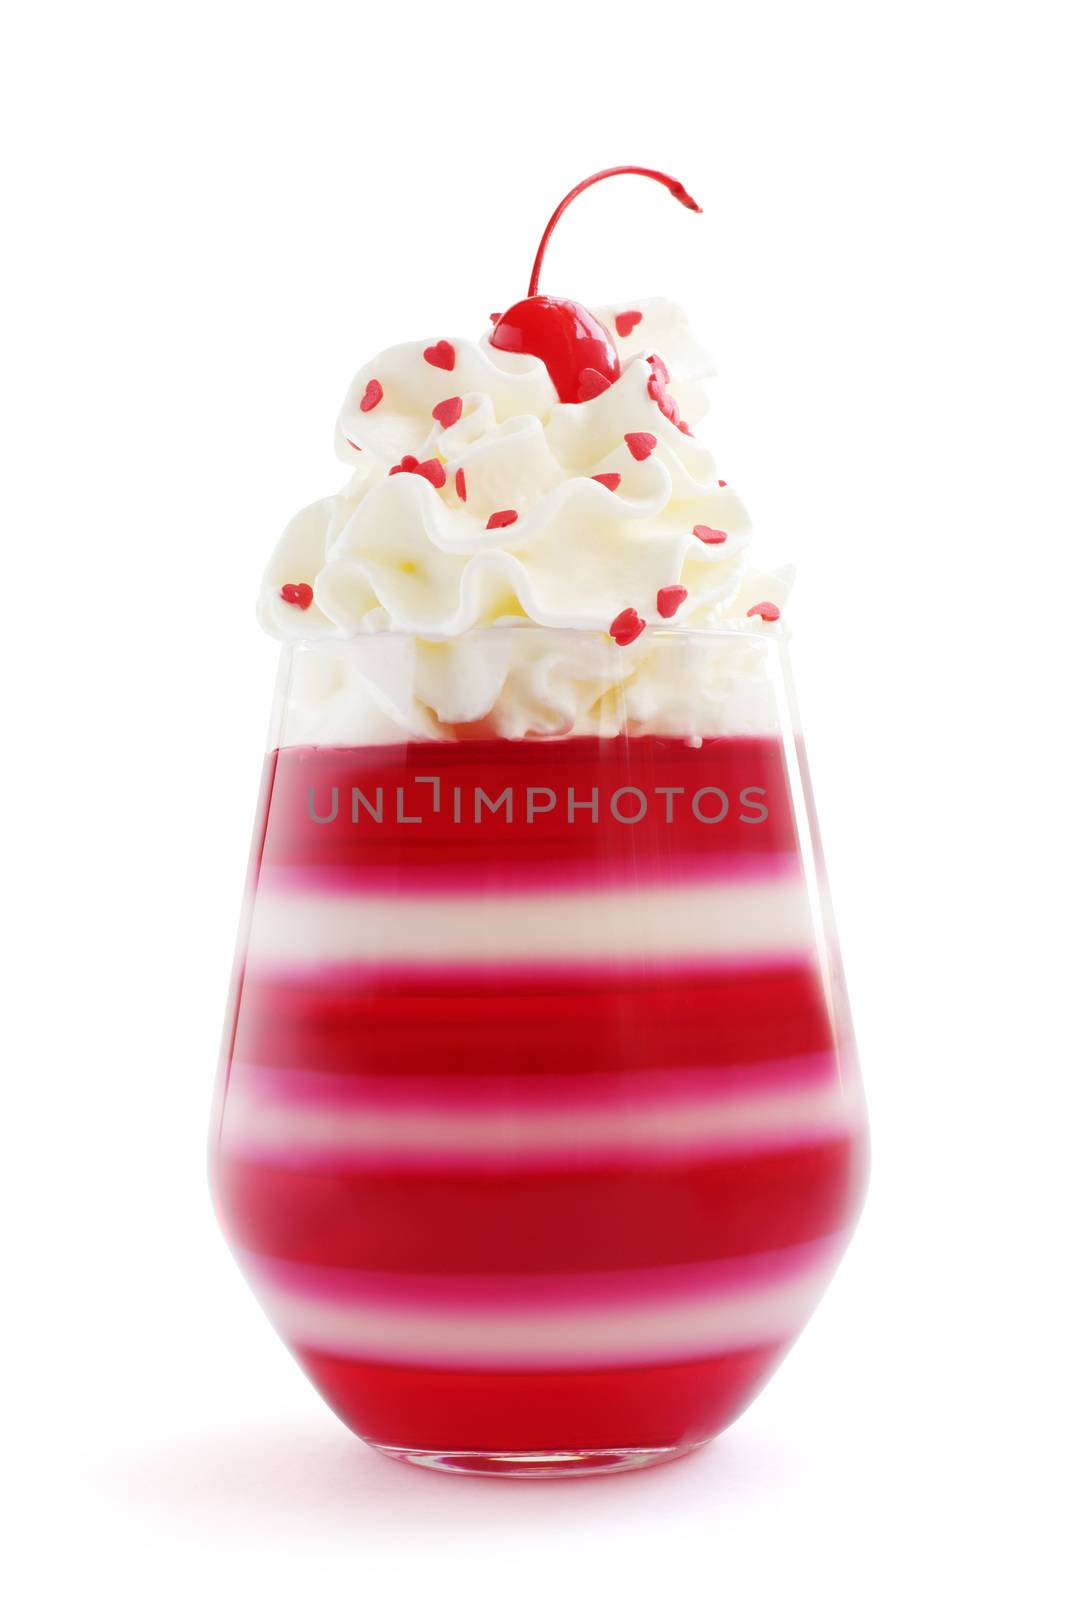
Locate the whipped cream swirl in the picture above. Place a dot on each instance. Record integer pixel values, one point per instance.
(477, 498)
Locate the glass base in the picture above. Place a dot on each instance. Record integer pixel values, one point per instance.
(536, 1463)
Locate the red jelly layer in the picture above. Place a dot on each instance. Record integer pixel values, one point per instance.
(637, 1407)
(426, 1025)
(719, 791)
(527, 1221)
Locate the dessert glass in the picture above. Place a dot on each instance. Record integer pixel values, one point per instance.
(538, 1131)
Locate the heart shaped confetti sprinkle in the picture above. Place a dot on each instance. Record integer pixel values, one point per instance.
(431, 470)
(626, 322)
(669, 599)
(461, 483)
(297, 594)
(442, 354)
(627, 626)
(667, 403)
(610, 480)
(371, 395)
(766, 609)
(659, 368)
(709, 535)
(446, 412)
(641, 445)
(502, 519)
(591, 383)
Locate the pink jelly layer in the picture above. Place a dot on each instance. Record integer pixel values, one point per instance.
(552, 1120)
(423, 1198)
(524, 1321)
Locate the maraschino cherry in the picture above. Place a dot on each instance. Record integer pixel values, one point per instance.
(577, 349)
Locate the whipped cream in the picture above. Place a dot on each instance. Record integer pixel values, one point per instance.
(479, 504)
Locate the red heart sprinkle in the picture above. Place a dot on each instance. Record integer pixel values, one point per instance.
(666, 402)
(502, 519)
(461, 483)
(659, 368)
(627, 626)
(610, 480)
(441, 354)
(766, 609)
(297, 594)
(709, 535)
(626, 322)
(722, 483)
(641, 445)
(591, 383)
(353, 444)
(446, 412)
(668, 600)
(432, 471)
(371, 395)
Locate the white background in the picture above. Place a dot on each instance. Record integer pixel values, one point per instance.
(214, 215)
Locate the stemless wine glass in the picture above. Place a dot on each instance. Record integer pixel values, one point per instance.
(538, 1130)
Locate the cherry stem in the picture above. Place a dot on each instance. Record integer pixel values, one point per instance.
(678, 190)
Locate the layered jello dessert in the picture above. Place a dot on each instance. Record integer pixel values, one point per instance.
(538, 1132)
